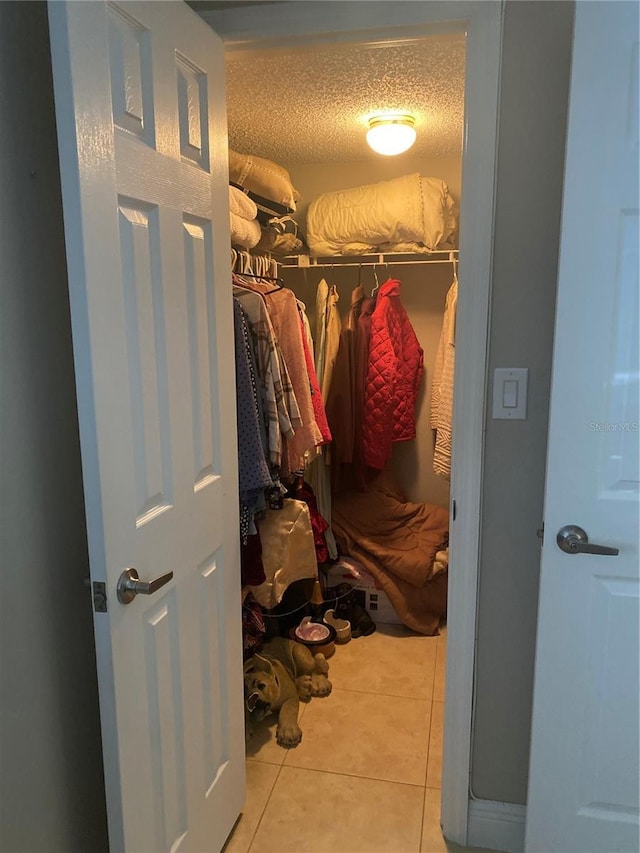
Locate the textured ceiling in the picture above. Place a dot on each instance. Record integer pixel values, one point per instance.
(310, 106)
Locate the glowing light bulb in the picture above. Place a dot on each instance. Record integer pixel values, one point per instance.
(391, 134)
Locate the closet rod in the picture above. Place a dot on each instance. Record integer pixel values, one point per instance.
(382, 260)
(361, 264)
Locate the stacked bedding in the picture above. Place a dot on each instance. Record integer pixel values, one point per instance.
(245, 228)
(268, 186)
(407, 214)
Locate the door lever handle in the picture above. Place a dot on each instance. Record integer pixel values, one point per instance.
(573, 540)
(130, 585)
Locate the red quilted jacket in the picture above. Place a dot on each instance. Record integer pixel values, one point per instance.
(393, 377)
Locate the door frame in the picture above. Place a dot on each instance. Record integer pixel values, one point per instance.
(272, 28)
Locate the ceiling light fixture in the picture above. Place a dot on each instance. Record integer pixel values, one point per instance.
(391, 133)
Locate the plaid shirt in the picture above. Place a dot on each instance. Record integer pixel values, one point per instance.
(281, 410)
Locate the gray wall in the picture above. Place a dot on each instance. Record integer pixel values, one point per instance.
(533, 107)
(51, 788)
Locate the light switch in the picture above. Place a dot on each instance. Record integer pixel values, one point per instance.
(510, 393)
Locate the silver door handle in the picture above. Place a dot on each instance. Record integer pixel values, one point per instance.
(573, 540)
(129, 585)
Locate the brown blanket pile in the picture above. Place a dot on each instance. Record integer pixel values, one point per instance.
(396, 541)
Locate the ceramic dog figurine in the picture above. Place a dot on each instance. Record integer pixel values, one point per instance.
(276, 679)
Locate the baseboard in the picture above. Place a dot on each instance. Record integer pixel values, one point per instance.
(496, 826)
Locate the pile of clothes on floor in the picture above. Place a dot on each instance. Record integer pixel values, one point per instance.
(402, 544)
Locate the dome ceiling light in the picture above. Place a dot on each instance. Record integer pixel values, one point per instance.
(391, 133)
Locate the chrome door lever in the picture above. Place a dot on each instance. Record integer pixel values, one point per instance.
(573, 540)
(129, 585)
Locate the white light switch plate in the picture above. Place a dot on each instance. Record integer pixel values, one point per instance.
(510, 393)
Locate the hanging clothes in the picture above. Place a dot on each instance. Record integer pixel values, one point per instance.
(327, 327)
(361, 368)
(334, 325)
(341, 399)
(251, 566)
(328, 330)
(302, 491)
(280, 406)
(283, 312)
(309, 355)
(253, 472)
(394, 373)
(306, 329)
(322, 292)
(316, 397)
(442, 386)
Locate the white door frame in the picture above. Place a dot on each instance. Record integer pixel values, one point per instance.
(274, 28)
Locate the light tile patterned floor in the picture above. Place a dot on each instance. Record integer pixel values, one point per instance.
(366, 777)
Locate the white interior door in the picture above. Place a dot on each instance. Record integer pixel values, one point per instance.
(140, 107)
(583, 784)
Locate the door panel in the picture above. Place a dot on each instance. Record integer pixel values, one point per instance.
(583, 784)
(142, 135)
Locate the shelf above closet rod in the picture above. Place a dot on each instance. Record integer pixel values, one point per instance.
(390, 259)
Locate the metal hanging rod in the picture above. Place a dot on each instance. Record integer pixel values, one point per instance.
(294, 262)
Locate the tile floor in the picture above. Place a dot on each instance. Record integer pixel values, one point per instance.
(366, 777)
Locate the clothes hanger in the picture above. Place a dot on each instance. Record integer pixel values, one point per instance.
(375, 275)
(260, 263)
(454, 264)
(263, 277)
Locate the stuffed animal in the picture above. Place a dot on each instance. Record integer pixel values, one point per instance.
(276, 679)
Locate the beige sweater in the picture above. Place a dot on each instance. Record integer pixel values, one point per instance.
(442, 386)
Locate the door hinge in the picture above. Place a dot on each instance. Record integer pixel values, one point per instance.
(540, 533)
(454, 510)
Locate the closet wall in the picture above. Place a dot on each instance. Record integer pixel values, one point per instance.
(424, 288)
(51, 783)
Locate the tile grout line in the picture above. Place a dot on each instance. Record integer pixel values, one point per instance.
(267, 801)
(426, 770)
(354, 776)
(378, 694)
(426, 773)
(273, 787)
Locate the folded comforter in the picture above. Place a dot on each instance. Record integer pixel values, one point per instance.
(410, 213)
(241, 204)
(244, 232)
(397, 542)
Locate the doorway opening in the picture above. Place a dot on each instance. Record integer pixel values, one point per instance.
(475, 256)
